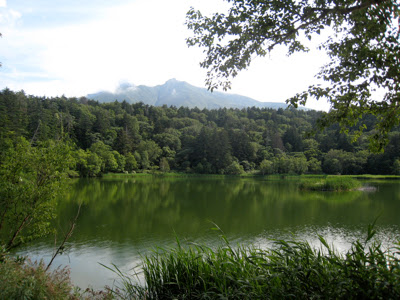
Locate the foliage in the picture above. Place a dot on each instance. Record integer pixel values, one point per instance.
(364, 51)
(21, 278)
(291, 269)
(396, 167)
(234, 169)
(341, 162)
(164, 166)
(27, 280)
(266, 167)
(30, 179)
(122, 137)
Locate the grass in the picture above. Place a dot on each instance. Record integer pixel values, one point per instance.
(245, 175)
(290, 270)
(330, 183)
(161, 174)
(21, 278)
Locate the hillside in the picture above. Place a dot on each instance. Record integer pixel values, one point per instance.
(180, 93)
(122, 137)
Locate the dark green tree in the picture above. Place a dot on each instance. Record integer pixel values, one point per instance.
(293, 138)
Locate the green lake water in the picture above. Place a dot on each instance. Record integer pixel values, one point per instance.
(122, 219)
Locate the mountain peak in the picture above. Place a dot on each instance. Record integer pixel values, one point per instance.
(180, 93)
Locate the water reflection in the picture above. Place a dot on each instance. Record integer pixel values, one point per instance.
(121, 219)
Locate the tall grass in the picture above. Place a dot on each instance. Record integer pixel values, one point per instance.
(290, 270)
(22, 279)
(330, 183)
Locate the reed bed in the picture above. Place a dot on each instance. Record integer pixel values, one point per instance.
(290, 270)
(330, 183)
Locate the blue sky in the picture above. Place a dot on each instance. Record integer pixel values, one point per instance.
(75, 47)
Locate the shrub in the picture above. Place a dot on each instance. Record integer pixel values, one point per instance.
(22, 279)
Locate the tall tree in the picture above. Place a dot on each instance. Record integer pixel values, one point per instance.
(30, 179)
(364, 50)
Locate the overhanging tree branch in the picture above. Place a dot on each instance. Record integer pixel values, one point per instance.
(364, 51)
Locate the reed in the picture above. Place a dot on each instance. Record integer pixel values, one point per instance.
(291, 269)
(330, 183)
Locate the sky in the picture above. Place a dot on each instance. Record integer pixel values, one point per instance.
(74, 48)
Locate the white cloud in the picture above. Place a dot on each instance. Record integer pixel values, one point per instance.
(8, 18)
(142, 42)
(3, 3)
(278, 77)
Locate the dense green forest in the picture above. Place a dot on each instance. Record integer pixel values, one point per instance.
(123, 137)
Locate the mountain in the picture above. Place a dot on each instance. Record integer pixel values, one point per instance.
(180, 93)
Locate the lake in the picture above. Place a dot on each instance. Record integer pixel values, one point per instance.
(122, 219)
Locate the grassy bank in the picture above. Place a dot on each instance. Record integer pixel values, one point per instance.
(330, 183)
(291, 270)
(249, 175)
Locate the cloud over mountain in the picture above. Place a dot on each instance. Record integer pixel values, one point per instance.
(180, 93)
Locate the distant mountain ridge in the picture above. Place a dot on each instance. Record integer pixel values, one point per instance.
(180, 93)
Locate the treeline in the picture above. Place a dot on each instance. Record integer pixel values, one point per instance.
(123, 137)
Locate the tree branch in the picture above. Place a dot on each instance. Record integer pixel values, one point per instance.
(66, 237)
(21, 226)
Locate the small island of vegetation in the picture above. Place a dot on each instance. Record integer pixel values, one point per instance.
(330, 183)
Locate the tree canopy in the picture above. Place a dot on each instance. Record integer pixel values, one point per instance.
(362, 77)
(123, 137)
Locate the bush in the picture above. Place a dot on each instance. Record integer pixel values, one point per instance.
(20, 279)
(234, 169)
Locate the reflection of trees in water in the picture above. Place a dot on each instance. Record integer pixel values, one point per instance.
(130, 209)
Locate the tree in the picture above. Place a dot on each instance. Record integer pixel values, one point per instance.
(293, 138)
(300, 165)
(234, 169)
(164, 166)
(266, 167)
(131, 163)
(150, 152)
(314, 166)
(106, 155)
(30, 179)
(364, 50)
(88, 164)
(396, 167)
(311, 148)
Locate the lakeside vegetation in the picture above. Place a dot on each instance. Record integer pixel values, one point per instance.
(330, 183)
(290, 269)
(248, 175)
(20, 279)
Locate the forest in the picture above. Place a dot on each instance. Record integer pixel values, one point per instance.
(123, 137)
